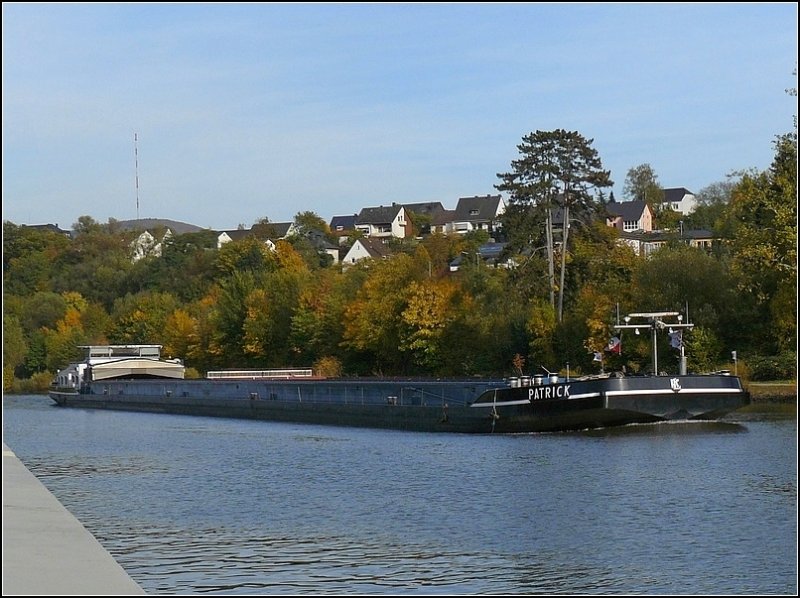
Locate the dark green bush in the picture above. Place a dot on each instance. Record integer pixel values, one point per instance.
(773, 367)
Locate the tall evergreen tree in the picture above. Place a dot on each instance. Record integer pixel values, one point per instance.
(557, 170)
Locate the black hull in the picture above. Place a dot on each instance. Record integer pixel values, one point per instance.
(464, 406)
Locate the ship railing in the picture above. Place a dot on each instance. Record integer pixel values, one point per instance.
(259, 374)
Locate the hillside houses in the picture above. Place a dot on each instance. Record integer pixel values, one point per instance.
(414, 219)
(152, 233)
(269, 232)
(369, 233)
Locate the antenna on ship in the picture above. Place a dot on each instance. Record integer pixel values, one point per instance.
(136, 164)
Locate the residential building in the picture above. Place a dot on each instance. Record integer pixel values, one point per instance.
(629, 216)
(343, 226)
(477, 213)
(226, 236)
(365, 248)
(383, 222)
(646, 243)
(52, 228)
(442, 222)
(422, 217)
(489, 254)
(680, 199)
(269, 231)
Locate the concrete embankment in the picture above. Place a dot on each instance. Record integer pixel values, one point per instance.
(46, 550)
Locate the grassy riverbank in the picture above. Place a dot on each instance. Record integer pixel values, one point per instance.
(775, 398)
(773, 392)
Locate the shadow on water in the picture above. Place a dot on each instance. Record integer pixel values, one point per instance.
(668, 428)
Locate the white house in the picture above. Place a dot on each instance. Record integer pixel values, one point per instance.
(278, 230)
(366, 248)
(226, 236)
(477, 213)
(383, 222)
(680, 199)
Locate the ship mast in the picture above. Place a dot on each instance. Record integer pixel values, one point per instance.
(655, 321)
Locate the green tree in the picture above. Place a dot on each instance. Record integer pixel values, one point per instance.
(246, 255)
(677, 276)
(141, 318)
(230, 311)
(96, 263)
(703, 349)
(30, 258)
(641, 184)
(185, 268)
(493, 327)
(15, 349)
(763, 219)
(309, 222)
(558, 169)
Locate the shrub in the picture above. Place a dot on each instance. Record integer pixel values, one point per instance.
(36, 384)
(191, 374)
(773, 367)
(328, 367)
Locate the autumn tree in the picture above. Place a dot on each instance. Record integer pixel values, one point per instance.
(308, 222)
(432, 305)
(372, 320)
(317, 322)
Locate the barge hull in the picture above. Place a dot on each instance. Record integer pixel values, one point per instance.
(420, 406)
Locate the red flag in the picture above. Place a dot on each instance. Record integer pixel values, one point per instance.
(614, 345)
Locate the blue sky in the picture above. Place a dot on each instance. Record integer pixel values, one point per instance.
(247, 111)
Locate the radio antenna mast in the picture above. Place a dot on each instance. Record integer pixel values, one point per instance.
(136, 162)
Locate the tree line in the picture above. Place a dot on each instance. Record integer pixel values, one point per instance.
(245, 305)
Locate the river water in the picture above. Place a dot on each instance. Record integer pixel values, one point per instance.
(191, 505)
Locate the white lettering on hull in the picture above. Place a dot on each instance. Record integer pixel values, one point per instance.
(539, 393)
